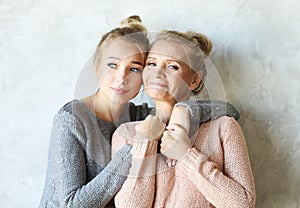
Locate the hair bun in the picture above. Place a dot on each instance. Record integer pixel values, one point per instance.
(201, 41)
(135, 22)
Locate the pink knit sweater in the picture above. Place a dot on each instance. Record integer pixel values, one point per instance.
(216, 172)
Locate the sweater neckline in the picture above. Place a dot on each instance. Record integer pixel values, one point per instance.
(124, 119)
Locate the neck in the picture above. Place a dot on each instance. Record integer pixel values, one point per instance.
(104, 108)
(163, 110)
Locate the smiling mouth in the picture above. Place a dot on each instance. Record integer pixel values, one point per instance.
(118, 90)
(157, 85)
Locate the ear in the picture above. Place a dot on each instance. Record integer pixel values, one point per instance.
(197, 77)
(97, 71)
(97, 68)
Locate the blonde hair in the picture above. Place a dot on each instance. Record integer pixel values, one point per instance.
(131, 29)
(199, 47)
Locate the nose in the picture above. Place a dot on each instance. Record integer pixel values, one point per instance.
(122, 76)
(160, 72)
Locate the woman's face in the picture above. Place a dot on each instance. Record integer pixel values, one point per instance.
(120, 71)
(167, 75)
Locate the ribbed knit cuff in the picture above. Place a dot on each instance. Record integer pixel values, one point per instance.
(193, 158)
(124, 152)
(143, 159)
(144, 148)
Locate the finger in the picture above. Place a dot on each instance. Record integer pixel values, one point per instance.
(175, 127)
(173, 162)
(162, 127)
(166, 134)
(169, 164)
(170, 127)
(149, 117)
(181, 115)
(166, 144)
(168, 160)
(144, 124)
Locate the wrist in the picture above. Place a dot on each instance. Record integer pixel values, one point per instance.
(183, 153)
(144, 148)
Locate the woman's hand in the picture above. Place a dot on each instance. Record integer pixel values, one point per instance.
(175, 142)
(151, 128)
(181, 116)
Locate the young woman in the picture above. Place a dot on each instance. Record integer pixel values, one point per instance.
(213, 167)
(80, 170)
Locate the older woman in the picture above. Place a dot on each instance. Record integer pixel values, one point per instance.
(213, 167)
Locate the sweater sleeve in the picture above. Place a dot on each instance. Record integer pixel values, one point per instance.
(139, 187)
(200, 110)
(232, 187)
(204, 110)
(69, 168)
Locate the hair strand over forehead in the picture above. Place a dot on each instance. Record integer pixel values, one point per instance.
(131, 30)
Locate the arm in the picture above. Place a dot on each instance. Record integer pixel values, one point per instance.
(200, 110)
(138, 190)
(69, 167)
(204, 110)
(232, 187)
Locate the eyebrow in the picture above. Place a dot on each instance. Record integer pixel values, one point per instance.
(113, 57)
(137, 62)
(175, 60)
(116, 58)
(149, 57)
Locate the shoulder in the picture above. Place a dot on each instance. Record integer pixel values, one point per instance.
(221, 122)
(74, 107)
(225, 125)
(75, 110)
(218, 132)
(74, 117)
(228, 124)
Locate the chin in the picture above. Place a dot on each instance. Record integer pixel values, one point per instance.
(119, 102)
(119, 99)
(158, 94)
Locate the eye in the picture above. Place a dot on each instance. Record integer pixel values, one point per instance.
(151, 64)
(133, 69)
(112, 65)
(173, 67)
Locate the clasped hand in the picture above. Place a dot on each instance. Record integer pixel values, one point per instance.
(175, 141)
(151, 129)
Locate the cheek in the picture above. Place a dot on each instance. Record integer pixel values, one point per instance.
(105, 79)
(146, 74)
(136, 80)
(177, 84)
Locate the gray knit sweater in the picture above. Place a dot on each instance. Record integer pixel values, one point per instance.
(80, 171)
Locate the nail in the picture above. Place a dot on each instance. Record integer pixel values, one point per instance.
(174, 162)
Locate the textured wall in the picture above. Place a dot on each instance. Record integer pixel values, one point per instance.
(44, 45)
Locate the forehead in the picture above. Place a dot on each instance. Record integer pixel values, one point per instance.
(122, 49)
(170, 49)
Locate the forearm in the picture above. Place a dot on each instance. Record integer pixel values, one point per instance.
(70, 162)
(219, 189)
(204, 110)
(227, 182)
(76, 191)
(138, 189)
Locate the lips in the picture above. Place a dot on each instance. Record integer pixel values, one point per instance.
(118, 90)
(157, 85)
